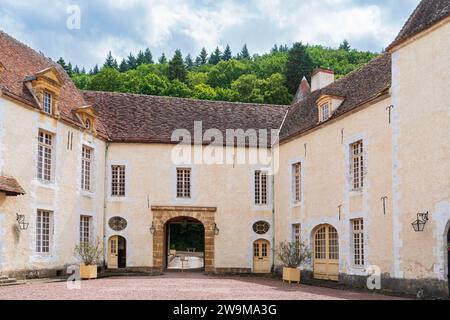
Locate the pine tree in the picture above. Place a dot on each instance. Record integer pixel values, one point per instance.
(148, 56)
(203, 57)
(83, 71)
(140, 58)
(95, 70)
(274, 49)
(162, 59)
(216, 56)
(131, 61)
(188, 61)
(123, 67)
(345, 45)
(244, 54)
(227, 54)
(299, 65)
(62, 63)
(69, 69)
(177, 69)
(76, 70)
(110, 62)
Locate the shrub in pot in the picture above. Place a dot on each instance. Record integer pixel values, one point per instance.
(292, 255)
(89, 255)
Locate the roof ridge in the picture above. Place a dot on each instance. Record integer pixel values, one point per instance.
(184, 99)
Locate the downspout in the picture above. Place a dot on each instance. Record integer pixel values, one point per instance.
(273, 190)
(105, 193)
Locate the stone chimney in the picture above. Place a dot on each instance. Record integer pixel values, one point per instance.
(303, 91)
(321, 78)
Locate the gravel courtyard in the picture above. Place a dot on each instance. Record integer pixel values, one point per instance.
(185, 286)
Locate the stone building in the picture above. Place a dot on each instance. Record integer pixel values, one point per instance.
(355, 163)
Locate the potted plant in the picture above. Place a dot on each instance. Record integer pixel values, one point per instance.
(89, 255)
(172, 251)
(292, 255)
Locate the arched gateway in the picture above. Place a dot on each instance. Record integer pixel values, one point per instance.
(164, 214)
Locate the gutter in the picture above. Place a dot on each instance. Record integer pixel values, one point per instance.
(105, 192)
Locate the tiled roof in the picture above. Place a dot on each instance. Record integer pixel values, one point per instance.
(10, 186)
(152, 119)
(357, 88)
(428, 13)
(20, 62)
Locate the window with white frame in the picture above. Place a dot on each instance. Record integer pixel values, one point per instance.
(260, 187)
(325, 111)
(296, 233)
(85, 229)
(118, 180)
(43, 231)
(47, 102)
(183, 183)
(86, 168)
(296, 182)
(358, 242)
(357, 165)
(45, 153)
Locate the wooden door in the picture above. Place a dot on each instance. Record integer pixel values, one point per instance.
(326, 253)
(261, 262)
(113, 252)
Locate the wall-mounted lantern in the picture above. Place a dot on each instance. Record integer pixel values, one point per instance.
(216, 229)
(152, 229)
(419, 224)
(21, 221)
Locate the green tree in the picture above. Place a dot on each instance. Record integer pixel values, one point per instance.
(188, 61)
(248, 86)
(225, 94)
(140, 58)
(202, 58)
(162, 59)
(108, 79)
(177, 69)
(131, 61)
(110, 62)
(225, 72)
(154, 85)
(216, 56)
(345, 45)
(178, 89)
(299, 65)
(94, 70)
(227, 54)
(148, 57)
(196, 78)
(123, 67)
(244, 54)
(274, 91)
(204, 92)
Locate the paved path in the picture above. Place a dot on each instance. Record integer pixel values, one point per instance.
(186, 286)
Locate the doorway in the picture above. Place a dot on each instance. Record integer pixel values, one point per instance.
(117, 252)
(185, 244)
(326, 253)
(261, 249)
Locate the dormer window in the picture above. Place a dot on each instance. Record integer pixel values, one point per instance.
(47, 102)
(87, 116)
(327, 106)
(87, 124)
(325, 111)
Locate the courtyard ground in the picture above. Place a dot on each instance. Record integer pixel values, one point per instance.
(183, 286)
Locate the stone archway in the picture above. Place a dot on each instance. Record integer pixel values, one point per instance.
(162, 214)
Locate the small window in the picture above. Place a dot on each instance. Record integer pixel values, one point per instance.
(260, 187)
(85, 229)
(43, 231)
(325, 111)
(358, 242)
(45, 156)
(261, 227)
(118, 181)
(47, 102)
(183, 183)
(357, 165)
(87, 124)
(296, 233)
(296, 182)
(86, 166)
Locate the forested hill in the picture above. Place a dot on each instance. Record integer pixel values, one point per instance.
(270, 78)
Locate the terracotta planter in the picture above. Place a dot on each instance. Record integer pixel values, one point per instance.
(291, 275)
(88, 272)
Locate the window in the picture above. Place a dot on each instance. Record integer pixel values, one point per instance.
(296, 233)
(47, 102)
(85, 229)
(45, 149)
(357, 165)
(358, 242)
(118, 181)
(296, 182)
(261, 227)
(183, 183)
(325, 112)
(86, 165)
(43, 231)
(260, 187)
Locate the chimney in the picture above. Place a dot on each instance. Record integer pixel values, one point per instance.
(303, 91)
(321, 78)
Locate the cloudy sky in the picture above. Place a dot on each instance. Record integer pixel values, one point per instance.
(125, 26)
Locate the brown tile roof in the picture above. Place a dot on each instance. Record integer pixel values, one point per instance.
(21, 62)
(143, 118)
(428, 13)
(357, 88)
(10, 186)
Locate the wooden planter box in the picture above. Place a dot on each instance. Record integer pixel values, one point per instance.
(291, 275)
(88, 272)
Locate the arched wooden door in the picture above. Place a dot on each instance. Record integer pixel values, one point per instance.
(116, 252)
(261, 263)
(326, 253)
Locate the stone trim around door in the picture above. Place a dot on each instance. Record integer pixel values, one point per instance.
(162, 214)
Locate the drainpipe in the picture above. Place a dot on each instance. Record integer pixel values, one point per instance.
(105, 194)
